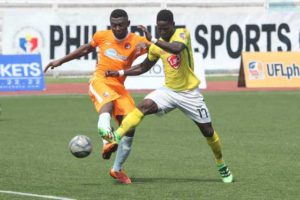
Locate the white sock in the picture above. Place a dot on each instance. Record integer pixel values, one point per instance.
(104, 123)
(122, 152)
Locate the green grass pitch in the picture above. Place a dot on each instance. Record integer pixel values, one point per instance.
(170, 158)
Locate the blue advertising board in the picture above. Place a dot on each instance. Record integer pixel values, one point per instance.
(21, 72)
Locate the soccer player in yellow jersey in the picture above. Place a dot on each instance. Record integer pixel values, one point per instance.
(180, 90)
(119, 49)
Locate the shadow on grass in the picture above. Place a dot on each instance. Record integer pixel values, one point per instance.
(4, 119)
(178, 180)
(162, 180)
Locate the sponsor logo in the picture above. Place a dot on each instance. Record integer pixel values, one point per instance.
(256, 71)
(112, 53)
(280, 70)
(28, 40)
(174, 61)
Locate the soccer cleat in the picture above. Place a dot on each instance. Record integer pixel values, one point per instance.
(108, 149)
(111, 137)
(226, 175)
(120, 176)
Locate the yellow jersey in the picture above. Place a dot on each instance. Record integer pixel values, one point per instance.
(178, 69)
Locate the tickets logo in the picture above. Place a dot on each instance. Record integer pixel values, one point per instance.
(255, 70)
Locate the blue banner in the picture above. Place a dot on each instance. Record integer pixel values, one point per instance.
(21, 72)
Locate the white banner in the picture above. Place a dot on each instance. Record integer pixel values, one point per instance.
(54, 34)
(218, 37)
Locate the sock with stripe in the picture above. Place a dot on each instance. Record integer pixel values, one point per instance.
(215, 145)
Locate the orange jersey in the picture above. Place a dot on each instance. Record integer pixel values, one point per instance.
(116, 54)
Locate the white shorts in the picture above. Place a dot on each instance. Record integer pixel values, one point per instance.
(190, 102)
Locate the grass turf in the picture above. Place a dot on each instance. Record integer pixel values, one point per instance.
(170, 158)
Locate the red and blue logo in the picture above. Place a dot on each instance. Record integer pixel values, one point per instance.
(256, 70)
(28, 40)
(28, 43)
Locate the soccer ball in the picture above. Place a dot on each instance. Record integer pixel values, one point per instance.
(80, 146)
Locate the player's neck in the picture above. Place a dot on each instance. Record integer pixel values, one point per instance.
(169, 38)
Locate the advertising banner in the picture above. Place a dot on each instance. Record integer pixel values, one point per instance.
(21, 72)
(219, 36)
(270, 69)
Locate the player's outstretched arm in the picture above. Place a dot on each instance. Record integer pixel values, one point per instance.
(136, 70)
(81, 51)
(174, 47)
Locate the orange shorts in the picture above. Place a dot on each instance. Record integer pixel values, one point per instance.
(102, 93)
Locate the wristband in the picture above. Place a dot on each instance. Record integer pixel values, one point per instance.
(154, 40)
(121, 72)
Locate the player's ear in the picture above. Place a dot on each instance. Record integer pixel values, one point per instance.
(128, 23)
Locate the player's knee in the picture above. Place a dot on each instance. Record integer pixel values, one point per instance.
(147, 106)
(208, 132)
(206, 129)
(143, 107)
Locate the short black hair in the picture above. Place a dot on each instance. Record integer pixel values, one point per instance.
(118, 13)
(165, 15)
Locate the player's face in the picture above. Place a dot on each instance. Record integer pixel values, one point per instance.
(165, 29)
(119, 26)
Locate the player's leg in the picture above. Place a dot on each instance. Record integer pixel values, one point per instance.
(193, 105)
(124, 148)
(125, 142)
(122, 106)
(103, 96)
(158, 101)
(122, 154)
(104, 126)
(134, 118)
(213, 140)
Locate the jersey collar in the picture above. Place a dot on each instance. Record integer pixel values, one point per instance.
(121, 40)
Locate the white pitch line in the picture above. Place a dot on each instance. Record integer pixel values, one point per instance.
(35, 195)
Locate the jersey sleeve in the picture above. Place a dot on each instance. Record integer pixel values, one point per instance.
(146, 41)
(142, 46)
(181, 35)
(97, 39)
(153, 53)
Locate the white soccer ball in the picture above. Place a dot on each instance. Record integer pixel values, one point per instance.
(80, 146)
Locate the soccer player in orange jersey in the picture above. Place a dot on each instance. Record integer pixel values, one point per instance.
(119, 49)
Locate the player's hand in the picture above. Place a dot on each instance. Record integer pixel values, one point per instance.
(147, 33)
(141, 47)
(112, 73)
(52, 65)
